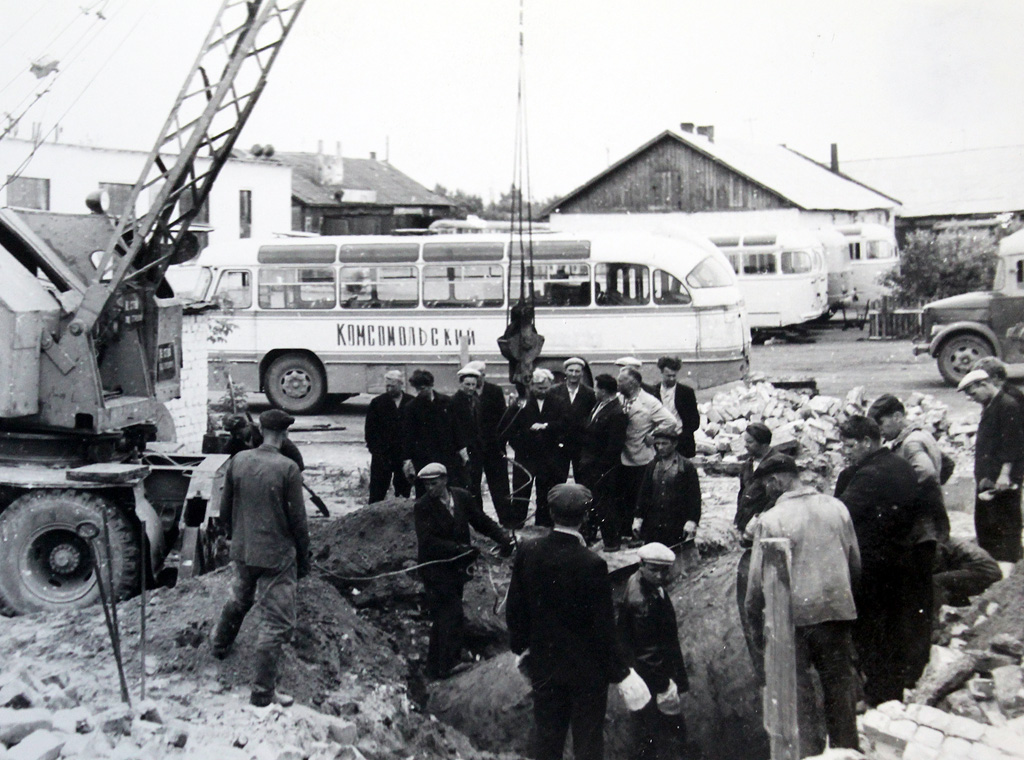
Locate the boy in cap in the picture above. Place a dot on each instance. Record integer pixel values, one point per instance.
(668, 506)
(443, 517)
(578, 400)
(265, 519)
(649, 633)
(998, 467)
(825, 563)
(562, 624)
(384, 438)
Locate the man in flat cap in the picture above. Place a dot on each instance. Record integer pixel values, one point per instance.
(998, 467)
(534, 428)
(245, 434)
(265, 519)
(495, 465)
(383, 433)
(578, 400)
(650, 636)
(443, 517)
(668, 505)
(562, 624)
(825, 563)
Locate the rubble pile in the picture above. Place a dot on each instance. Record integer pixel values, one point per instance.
(810, 423)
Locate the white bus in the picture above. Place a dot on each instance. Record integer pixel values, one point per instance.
(872, 252)
(782, 275)
(840, 272)
(309, 317)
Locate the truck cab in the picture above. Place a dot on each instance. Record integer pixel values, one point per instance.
(962, 329)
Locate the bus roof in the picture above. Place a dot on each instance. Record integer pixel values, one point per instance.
(786, 238)
(1012, 244)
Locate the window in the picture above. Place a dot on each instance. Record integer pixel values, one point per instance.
(1020, 274)
(854, 251)
(245, 215)
(668, 289)
(879, 249)
(297, 288)
(734, 261)
(28, 192)
(556, 284)
(119, 193)
(463, 285)
(711, 273)
(379, 287)
(622, 284)
(190, 283)
(795, 262)
(234, 290)
(759, 263)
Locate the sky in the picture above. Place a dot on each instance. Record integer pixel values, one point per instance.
(431, 84)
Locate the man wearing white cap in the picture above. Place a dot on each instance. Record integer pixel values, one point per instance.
(495, 466)
(650, 636)
(466, 409)
(384, 439)
(998, 467)
(579, 401)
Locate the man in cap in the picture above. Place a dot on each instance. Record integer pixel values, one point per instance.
(429, 432)
(644, 414)
(629, 361)
(962, 570)
(650, 636)
(681, 402)
(443, 517)
(384, 438)
(668, 506)
(931, 526)
(879, 488)
(466, 409)
(578, 401)
(245, 434)
(495, 465)
(604, 435)
(561, 623)
(998, 467)
(534, 428)
(265, 519)
(824, 565)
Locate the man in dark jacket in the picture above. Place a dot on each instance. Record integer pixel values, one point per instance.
(534, 428)
(668, 505)
(443, 516)
(879, 488)
(429, 432)
(650, 636)
(578, 401)
(562, 624)
(603, 437)
(962, 569)
(998, 467)
(383, 434)
(495, 465)
(466, 410)
(265, 519)
(245, 434)
(680, 400)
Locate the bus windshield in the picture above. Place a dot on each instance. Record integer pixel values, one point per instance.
(189, 283)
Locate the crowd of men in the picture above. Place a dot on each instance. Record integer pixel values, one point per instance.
(869, 565)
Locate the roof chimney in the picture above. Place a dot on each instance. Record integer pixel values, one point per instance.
(707, 131)
(687, 126)
(835, 158)
(373, 155)
(320, 147)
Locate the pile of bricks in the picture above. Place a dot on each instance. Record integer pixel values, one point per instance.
(808, 423)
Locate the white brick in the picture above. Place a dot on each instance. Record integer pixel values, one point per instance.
(915, 751)
(15, 725)
(928, 737)
(955, 748)
(1004, 739)
(903, 729)
(965, 728)
(39, 745)
(933, 717)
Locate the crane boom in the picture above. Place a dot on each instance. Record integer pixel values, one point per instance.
(213, 106)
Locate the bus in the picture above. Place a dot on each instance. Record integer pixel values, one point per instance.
(304, 318)
(872, 254)
(782, 274)
(840, 272)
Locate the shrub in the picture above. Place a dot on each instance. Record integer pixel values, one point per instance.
(935, 265)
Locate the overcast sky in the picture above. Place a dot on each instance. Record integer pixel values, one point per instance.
(432, 83)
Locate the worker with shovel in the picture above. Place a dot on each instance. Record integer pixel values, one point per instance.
(668, 506)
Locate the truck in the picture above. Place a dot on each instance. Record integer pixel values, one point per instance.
(961, 329)
(90, 349)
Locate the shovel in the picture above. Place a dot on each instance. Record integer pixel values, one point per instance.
(687, 557)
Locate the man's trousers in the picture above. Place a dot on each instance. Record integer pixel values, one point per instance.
(444, 604)
(384, 470)
(556, 707)
(827, 648)
(997, 524)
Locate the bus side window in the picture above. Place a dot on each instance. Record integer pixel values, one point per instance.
(557, 284)
(234, 289)
(297, 288)
(1020, 274)
(379, 287)
(622, 284)
(759, 263)
(854, 251)
(668, 289)
(463, 285)
(795, 262)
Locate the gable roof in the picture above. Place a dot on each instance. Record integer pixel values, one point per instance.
(392, 187)
(976, 181)
(803, 182)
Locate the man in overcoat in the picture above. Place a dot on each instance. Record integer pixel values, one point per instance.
(603, 437)
(668, 505)
(466, 409)
(495, 465)
(383, 433)
(429, 432)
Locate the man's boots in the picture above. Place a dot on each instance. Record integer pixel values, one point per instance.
(263, 691)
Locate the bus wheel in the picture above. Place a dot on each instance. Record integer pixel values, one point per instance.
(958, 354)
(46, 565)
(296, 384)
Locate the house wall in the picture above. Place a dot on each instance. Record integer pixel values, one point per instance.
(75, 171)
(716, 222)
(670, 177)
(189, 412)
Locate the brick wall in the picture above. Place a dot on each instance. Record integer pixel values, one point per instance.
(189, 411)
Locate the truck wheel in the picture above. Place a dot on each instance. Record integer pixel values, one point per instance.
(958, 354)
(296, 384)
(45, 565)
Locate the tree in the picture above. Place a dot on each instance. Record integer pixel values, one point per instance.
(935, 265)
(468, 204)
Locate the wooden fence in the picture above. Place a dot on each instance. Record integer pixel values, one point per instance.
(886, 321)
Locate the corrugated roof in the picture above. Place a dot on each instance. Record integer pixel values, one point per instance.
(798, 179)
(393, 188)
(976, 181)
